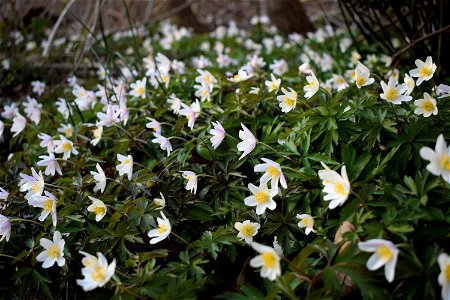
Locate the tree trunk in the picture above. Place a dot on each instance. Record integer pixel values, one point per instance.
(185, 16)
(289, 16)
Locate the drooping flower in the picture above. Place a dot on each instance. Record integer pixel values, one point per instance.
(162, 231)
(362, 76)
(426, 106)
(247, 230)
(240, 76)
(175, 104)
(100, 179)
(191, 112)
(66, 129)
(443, 91)
(393, 93)
(424, 71)
(268, 259)
(288, 101)
(262, 197)
(248, 141)
(153, 124)
(65, 146)
(51, 164)
(273, 84)
(5, 228)
(439, 158)
(160, 202)
(384, 254)
(218, 134)
(98, 132)
(98, 208)
(54, 251)
(336, 187)
(306, 221)
(48, 205)
(312, 87)
(272, 171)
(110, 118)
(19, 123)
(191, 185)
(138, 88)
(410, 83)
(164, 143)
(125, 166)
(47, 141)
(96, 272)
(444, 276)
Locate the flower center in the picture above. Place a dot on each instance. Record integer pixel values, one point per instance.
(208, 79)
(66, 147)
(204, 93)
(339, 80)
(262, 197)
(68, 132)
(98, 274)
(248, 230)
(290, 101)
(427, 106)
(236, 77)
(273, 172)
(35, 187)
(126, 161)
(48, 205)
(384, 253)
(391, 94)
(447, 272)
(360, 81)
(162, 228)
(273, 86)
(269, 260)
(140, 90)
(165, 78)
(97, 133)
(339, 188)
(305, 221)
(53, 252)
(425, 72)
(99, 210)
(444, 162)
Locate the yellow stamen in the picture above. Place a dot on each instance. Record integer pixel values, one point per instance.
(444, 162)
(360, 81)
(99, 210)
(248, 230)
(48, 205)
(140, 90)
(126, 161)
(384, 253)
(53, 252)
(339, 188)
(162, 228)
(391, 94)
(427, 106)
(68, 132)
(269, 260)
(98, 274)
(66, 147)
(273, 172)
(425, 72)
(447, 273)
(262, 197)
(35, 187)
(289, 101)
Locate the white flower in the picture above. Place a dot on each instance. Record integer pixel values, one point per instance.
(202, 91)
(65, 146)
(108, 119)
(163, 142)
(385, 254)
(33, 184)
(38, 87)
(240, 76)
(268, 259)
(19, 123)
(3, 194)
(125, 166)
(2, 128)
(97, 273)
(304, 68)
(162, 231)
(362, 76)
(424, 70)
(410, 83)
(48, 205)
(205, 78)
(248, 141)
(138, 88)
(191, 185)
(272, 171)
(262, 197)
(10, 111)
(306, 221)
(153, 124)
(97, 133)
(439, 158)
(160, 202)
(191, 112)
(175, 104)
(5, 228)
(98, 208)
(247, 230)
(33, 110)
(444, 276)
(67, 129)
(288, 101)
(426, 106)
(218, 134)
(339, 82)
(50, 163)
(336, 187)
(313, 86)
(53, 252)
(100, 179)
(47, 141)
(393, 93)
(254, 90)
(279, 67)
(443, 91)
